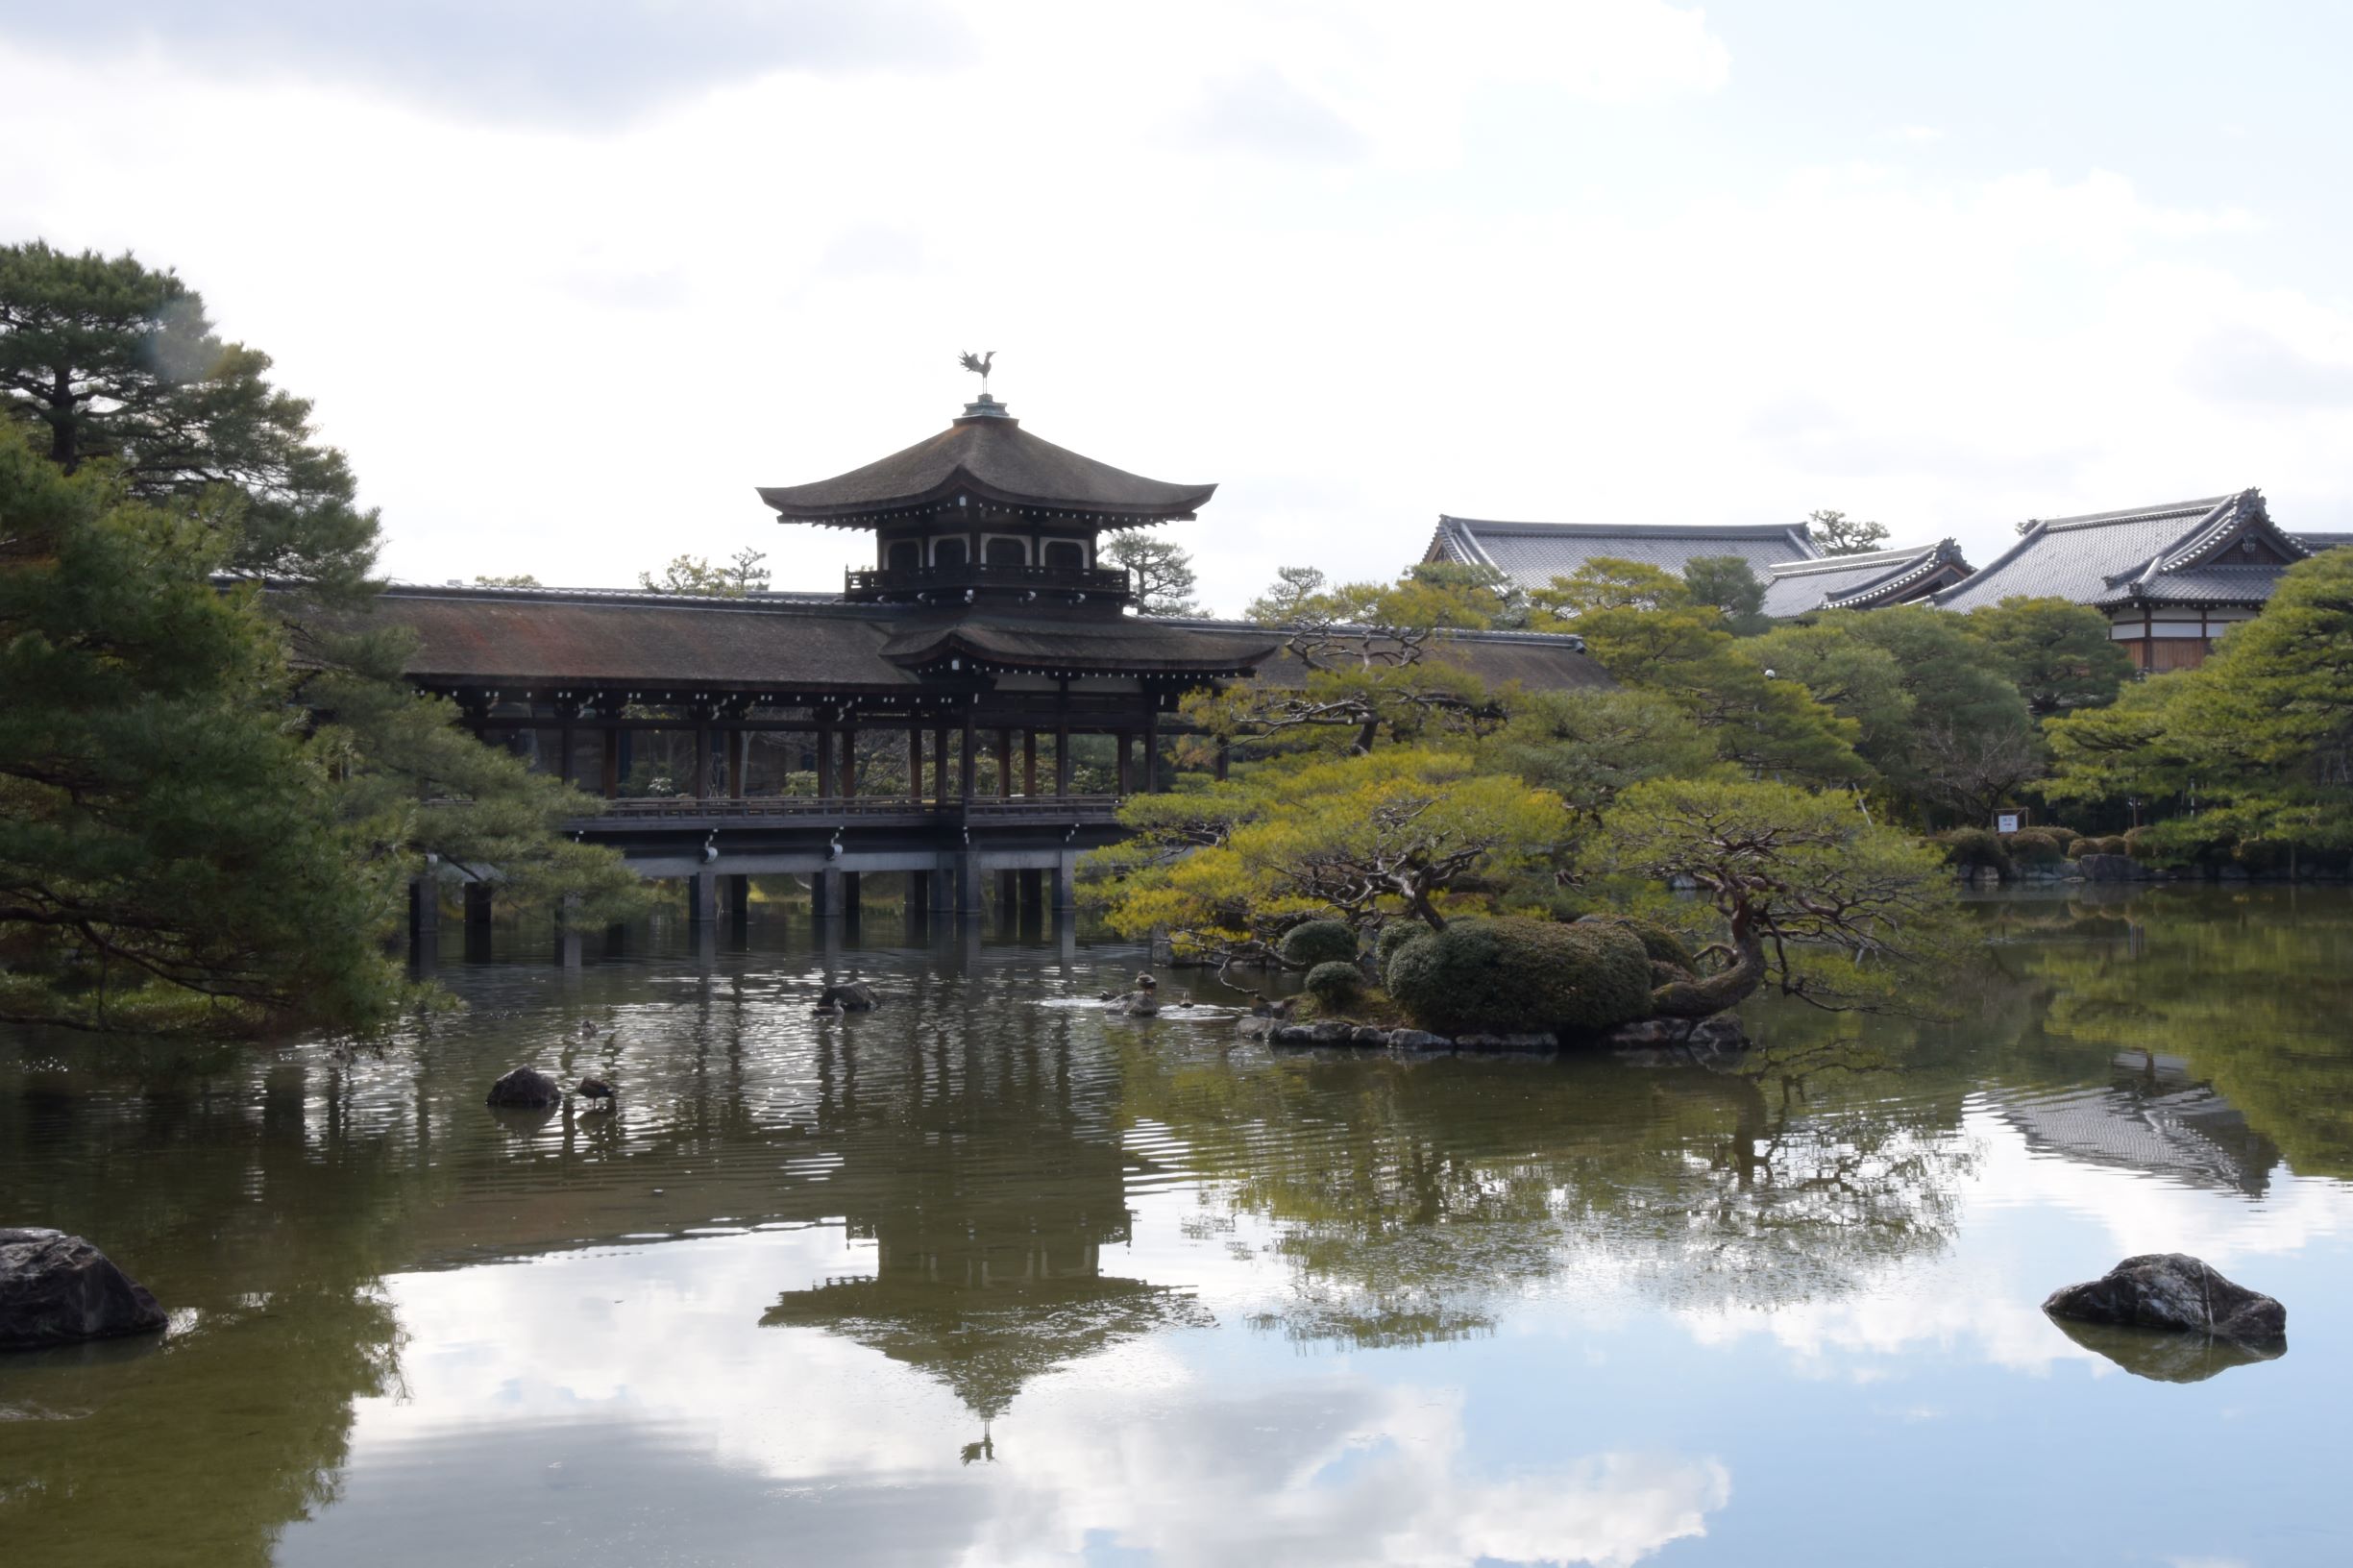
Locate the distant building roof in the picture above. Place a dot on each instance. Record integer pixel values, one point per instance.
(986, 456)
(1533, 554)
(1857, 582)
(2220, 549)
(2317, 542)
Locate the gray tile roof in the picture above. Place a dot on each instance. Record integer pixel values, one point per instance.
(2317, 542)
(1883, 577)
(1533, 554)
(2145, 552)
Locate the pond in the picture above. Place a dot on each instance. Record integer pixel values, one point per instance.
(988, 1277)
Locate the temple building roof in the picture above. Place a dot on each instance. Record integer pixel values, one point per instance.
(585, 638)
(1860, 582)
(1533, 554)
(986, 457)
(532, 637)
(2220, 549)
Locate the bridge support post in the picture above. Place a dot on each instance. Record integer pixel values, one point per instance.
(969, 888)
(825, 893)
(1066, 883)
(943, 887)
(1008, 893)
(478, 921)
(424, 922)
(738, 903)
(703, 897)
(849, 896)
(568, 932)
(1033, 891)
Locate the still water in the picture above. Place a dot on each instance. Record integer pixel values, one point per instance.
(987, 1277)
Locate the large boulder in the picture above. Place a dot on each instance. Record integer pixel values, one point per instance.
(2173, 1290)
(527, 1088)
(56, 1289)
(1512, 976)
(853, 996)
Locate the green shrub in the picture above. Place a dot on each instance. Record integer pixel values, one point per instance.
(1976, 848)
(1334, 984)
(2113, 845)
(1660, 944)
(2035, 846)
(1518, 976)
(1393, 935)
(1319, 941)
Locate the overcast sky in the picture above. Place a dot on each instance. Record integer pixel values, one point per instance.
(567, 280)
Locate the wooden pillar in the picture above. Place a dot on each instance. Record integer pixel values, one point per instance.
(1029, 762)
(1120, 750)
(1151, 748)
(1062, 759)
(563, 743)
(849, 896)
(739, 901)
(914, 763)
(702, 758)
(965, 771)
(612, 759)
(1004, 763)
(824, 760)
(739, 762)
(1032, 891)
(1008, 884)
(939, 764)
(703, 897)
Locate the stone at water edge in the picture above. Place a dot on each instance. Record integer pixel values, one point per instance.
(2173, 1290)
(526, 1088)
(857, 997)
(55, 1289)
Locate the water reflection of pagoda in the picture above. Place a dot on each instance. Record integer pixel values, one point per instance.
(988, 1206)
(2157, 1120)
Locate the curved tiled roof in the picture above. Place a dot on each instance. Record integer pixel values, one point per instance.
(2167, 553)
(1533, 554)
(1854, 582)
(988, 457)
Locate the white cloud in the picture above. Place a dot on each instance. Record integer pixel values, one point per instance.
(576, 354)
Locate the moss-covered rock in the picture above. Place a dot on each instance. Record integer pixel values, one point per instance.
(1334, 984)
(1319, 941)
(1518, 976)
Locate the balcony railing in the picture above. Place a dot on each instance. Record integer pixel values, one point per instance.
(1006, 810)
(904, 583)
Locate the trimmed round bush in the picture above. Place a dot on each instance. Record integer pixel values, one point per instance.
(2112, 845)
(1393, 935)
(1514, 976)
(1658, 944)
(1976, 848)
(1334, 984)
(1319, 941)
(2035, 846)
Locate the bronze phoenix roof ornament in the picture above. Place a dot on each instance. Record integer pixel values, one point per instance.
(978, 364)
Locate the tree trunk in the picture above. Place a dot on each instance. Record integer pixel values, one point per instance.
(1704, 998)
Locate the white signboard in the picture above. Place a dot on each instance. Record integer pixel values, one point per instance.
(2005, 822)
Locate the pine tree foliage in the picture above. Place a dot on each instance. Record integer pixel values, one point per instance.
(173, 855)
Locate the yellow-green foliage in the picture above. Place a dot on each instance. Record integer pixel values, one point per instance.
(1395, 832)
(1842, 908)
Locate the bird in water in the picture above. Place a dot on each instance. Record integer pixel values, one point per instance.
(588, 1028)
(594, 1089)
(829, 1008)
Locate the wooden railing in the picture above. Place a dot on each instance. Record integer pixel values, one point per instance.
(904, 581)
(1007, 809)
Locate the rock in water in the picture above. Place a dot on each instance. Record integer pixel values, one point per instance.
(56, 1289)
(857, 997)
(528, 1088)
(2173, 1290)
